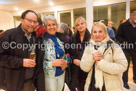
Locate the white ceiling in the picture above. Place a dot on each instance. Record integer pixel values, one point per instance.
(9, 5)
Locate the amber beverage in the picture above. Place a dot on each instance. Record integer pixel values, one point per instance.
(32, 56)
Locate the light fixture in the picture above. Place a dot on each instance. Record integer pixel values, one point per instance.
(16, 9)
(51, 3)
(37, 1)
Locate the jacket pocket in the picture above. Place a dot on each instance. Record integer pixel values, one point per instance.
(2, 78)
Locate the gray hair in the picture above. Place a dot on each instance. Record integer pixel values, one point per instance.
(64, 27)
(49, 17)
(133, 13)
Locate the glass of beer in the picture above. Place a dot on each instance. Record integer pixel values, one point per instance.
(32, 54)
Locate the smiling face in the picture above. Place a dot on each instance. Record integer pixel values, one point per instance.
(80, 24)
(51, 27)
(29, 23)
(98, 33)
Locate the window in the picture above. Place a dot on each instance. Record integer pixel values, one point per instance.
(132, 6)
(66, 18)
(113, 12)
(47, 13)
(17, 20)
(79, 12)
(118, 12)
(100, 13)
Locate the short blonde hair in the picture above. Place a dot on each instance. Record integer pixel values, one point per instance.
(80, 18)
(110, 22)
(102, 26)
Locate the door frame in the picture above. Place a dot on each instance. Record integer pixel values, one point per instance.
(72, 16)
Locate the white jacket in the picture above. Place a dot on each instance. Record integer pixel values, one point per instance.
(109, 69)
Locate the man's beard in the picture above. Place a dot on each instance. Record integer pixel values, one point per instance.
(28, 31)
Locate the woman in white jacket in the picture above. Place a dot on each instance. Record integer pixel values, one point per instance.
(104, 60)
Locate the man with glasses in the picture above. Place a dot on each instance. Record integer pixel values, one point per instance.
(16, 67)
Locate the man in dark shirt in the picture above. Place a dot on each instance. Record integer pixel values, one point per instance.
(16, 67)
(126, 35)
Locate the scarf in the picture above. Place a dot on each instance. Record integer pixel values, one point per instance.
(99, 47)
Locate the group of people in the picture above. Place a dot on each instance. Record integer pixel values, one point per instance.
(85, 61)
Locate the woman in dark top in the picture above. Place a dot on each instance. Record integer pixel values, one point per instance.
(79, 40)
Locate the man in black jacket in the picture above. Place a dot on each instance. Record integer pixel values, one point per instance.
(16, 68)
(126, 35)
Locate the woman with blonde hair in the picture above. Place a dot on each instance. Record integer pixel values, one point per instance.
(80, 40)
(104, 60)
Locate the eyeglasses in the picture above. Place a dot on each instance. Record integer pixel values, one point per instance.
(31, 21)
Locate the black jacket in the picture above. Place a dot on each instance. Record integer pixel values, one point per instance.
(126, 34)
(12, 72)
(76, 53)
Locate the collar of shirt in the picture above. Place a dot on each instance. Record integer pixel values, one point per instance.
(28, 36)
(132, 24)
